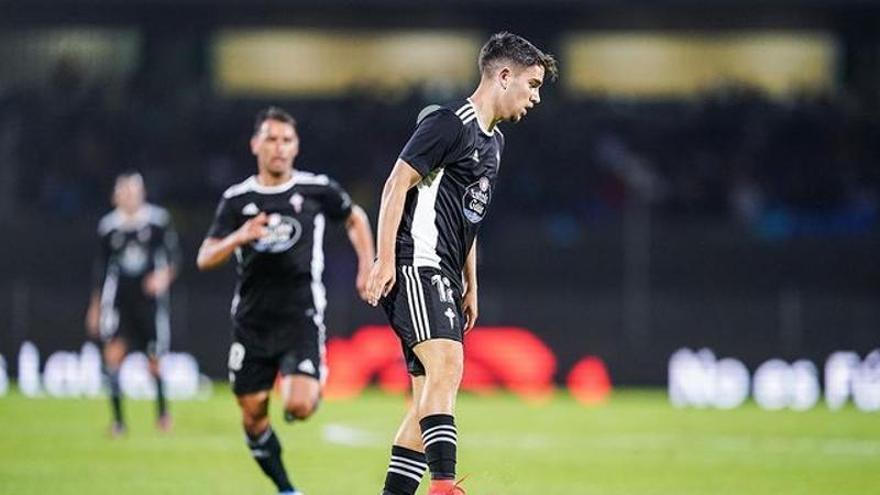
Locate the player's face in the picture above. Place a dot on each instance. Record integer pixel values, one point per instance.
(275, 146)
(523, 91)
(128, 195)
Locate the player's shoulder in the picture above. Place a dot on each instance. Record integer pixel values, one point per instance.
(306, 178)
(452, 113)
(240, 189)
(109, 222)
(156, 215)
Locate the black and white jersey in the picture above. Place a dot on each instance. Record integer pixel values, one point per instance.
(459, 163)
(131, 248)
(279, 275)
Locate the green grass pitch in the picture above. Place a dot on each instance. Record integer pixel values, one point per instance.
(635, 444)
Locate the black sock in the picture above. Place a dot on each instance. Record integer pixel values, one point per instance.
(266, 450)
(439, 437)
(405, 471)
(115, 395)
(161, 404)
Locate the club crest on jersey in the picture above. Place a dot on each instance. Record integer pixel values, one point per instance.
(283, 232)
(476, 200)
(297, 202)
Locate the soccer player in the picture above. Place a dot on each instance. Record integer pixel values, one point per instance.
(433, 202)
(129, 306)
(274, 224)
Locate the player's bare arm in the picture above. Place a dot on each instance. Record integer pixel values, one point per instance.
(469, 305)
(93, 314)
(159, 280)
(361, 237)
(215, 252)
(382, 276)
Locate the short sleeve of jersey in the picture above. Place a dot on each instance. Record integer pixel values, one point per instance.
(224, 220)
(335, 201)
(433, 142)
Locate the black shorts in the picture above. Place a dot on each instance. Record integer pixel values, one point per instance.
(291, 347)
(424, 304)
(143, 323)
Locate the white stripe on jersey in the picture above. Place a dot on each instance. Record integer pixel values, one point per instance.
(467, 106)
(319, 292)
(465, 116)
(424, 227)
(109, 320)
(298, 177)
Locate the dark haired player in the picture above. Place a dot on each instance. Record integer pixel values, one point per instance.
(425, 275)
(273, 223)
(129, 306)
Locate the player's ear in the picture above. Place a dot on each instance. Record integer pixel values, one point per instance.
(254, 144)
(504, 77)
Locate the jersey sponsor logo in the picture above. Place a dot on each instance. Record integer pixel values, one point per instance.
(306, 366)
(250, 210)
(133, 259)
(476, 200)
(282, 234)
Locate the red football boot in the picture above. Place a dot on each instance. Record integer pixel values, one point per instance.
(446, 487)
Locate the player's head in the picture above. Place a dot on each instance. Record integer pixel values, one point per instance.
(129, 193)
(275, 142)
(516, 69)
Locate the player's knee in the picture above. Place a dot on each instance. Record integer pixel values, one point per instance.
(447, 367)
(254, 423)
(301, 408)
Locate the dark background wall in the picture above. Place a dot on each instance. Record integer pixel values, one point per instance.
(623, 227)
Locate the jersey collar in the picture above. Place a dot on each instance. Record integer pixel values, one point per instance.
(477, 119)
(257, 187)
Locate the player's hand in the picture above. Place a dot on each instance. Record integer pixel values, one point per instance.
(157, 282)
(360, 283)
(381, 280)
(253, 229)
(469, 309)
(93, 320)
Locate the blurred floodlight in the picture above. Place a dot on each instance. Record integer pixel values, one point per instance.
(676, 64)
(322, 62)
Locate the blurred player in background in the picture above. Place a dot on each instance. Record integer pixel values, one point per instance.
(426, 272)
(129, 306)
(274, 224)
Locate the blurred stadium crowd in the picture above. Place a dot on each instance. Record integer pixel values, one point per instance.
(784, 167)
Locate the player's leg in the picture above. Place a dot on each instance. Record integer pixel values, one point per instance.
(419, 311)
(261, 439)
(443, 360)
(114, 352)
(156, 326)
(252, 380)
(441, 353)
(300, 394)
(303, 370)
(407, 464)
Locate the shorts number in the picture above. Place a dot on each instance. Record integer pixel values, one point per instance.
(236, 356)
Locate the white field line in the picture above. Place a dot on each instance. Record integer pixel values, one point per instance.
(636, 442)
